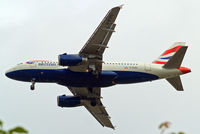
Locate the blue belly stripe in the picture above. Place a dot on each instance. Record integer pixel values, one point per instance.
(81, 79)
(125, 77)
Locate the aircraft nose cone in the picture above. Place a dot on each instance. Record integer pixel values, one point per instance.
(10, 73)
(6, 74)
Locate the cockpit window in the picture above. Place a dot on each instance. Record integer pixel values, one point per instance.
(29, 62)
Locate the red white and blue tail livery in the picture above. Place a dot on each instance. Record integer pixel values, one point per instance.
(85, 73)
(164, 57)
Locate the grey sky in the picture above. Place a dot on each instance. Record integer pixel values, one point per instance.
(43, 29)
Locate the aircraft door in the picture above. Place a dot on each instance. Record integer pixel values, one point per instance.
(147, 67)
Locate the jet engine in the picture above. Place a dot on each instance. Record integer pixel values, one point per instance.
(70, 59)
(69, 101)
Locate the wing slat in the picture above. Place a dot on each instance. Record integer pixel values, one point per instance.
(102, 34)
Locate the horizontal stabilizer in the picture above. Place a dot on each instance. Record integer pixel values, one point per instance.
(176, 60)
(176, 83)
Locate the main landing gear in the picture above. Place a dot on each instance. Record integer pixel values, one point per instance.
(93, 70)
(32, 87)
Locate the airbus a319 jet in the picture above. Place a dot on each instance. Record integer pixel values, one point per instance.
(85, 73)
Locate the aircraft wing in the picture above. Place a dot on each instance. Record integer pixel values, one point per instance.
(98, 111)
(94, 48)
(100, 114)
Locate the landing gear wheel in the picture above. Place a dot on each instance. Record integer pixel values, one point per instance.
(32, 87)
(93, 103)
(95, 72)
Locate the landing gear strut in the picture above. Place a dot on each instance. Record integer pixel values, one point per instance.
(93, 70)
(32, 87)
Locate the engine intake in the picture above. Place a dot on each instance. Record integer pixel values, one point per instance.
(69, 101)
(70, 59)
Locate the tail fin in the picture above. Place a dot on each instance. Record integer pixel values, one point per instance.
(176, 60)
(172, 58)
(169, 53)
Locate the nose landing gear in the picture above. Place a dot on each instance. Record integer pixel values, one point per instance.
(32, 87)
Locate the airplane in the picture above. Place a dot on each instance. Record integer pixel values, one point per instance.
(85, 73)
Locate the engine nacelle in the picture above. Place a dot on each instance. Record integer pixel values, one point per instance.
(69, 101)
(70, 59)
